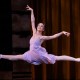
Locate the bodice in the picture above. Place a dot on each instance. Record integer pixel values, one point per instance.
(35, 43)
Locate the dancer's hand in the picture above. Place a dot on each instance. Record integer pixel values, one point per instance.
(66, 33)
(29, 8)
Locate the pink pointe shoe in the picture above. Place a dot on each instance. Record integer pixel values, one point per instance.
(78, 59)
(0, 56)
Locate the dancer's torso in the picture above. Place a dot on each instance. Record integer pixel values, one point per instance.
(35, 42)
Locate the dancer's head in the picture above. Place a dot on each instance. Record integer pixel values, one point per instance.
(40, 27)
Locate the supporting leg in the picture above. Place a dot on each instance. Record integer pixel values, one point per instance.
(12, 57)
(68, 58)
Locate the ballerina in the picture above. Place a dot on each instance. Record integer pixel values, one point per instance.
(38, 54)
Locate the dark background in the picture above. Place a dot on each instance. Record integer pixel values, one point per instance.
(5, 33)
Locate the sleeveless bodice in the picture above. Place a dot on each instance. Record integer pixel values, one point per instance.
(35, 43)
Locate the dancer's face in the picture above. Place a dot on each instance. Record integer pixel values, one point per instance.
(40, 27)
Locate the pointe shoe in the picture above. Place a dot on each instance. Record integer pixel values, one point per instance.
(78, 59)
(0, 56)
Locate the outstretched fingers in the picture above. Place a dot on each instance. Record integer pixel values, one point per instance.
(66, 33)
(29, 8)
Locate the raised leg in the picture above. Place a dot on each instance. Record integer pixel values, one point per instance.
(12, 57)
(68, 58)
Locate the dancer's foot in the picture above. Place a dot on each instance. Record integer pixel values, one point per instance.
(0, 56)
(78, 59)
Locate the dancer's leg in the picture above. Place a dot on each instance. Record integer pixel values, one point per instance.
(68, 58)
(12, 57)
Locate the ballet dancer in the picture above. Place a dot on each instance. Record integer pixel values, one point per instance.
(38, 54)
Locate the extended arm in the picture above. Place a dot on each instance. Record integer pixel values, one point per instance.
(55, 35)
(32, 19)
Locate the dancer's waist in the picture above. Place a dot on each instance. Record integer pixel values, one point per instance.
(32, 47)
(37, 48)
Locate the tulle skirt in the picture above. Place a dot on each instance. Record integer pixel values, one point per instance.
(38, 56)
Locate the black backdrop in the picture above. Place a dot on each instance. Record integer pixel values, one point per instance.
(5, 33)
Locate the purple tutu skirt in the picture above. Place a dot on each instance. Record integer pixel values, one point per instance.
(38, 56)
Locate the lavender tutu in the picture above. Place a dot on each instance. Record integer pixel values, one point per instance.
(37, 54)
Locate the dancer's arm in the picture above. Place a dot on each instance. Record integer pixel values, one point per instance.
(32, 19)
(55, 35)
